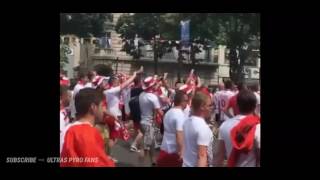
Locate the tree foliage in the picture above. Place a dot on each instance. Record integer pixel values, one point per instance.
(64, 51)
(85, 24)
(235, 30)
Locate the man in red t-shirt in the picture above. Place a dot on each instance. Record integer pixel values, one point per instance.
(81, 144)
(232, 103)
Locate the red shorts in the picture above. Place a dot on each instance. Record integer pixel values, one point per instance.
(168, 160)
(111, 124)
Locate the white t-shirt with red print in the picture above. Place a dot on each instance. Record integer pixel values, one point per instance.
(223, 97)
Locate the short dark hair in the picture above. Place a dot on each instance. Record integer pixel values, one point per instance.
(112, 79)
(84, 98)
(246, 101)
(241, 86)
(254, 87)
(63, 90)
(179, 97)
(228, 84)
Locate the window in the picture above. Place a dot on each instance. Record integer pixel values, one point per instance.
(226, 57)
(66, 40)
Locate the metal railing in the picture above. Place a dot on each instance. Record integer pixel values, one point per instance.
(148, 53)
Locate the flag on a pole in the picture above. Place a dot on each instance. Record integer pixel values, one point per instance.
(185, 32)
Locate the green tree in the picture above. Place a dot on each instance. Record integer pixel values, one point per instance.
(145, 25)
(64, 51)
(148, 26)
(238, 29)
(235, 30)
(82, 25)
(85, 24)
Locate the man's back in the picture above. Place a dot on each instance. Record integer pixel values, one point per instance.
(196, 132)
(148, 102)
(173, 121)
(245, 160)
(113, 99)
(233, 104)
(223, 98)
(75, 91)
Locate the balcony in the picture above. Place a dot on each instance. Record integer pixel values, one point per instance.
(171, 57)
(147, 56)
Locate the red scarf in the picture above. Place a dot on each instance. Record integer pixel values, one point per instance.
(242, 138)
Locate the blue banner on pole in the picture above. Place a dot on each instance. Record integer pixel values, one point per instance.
(185, 32)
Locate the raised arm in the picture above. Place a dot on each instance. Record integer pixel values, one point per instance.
(128, 81)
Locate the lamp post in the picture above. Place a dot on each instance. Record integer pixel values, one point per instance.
(117, 61)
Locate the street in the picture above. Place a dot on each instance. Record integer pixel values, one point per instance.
(126, 158)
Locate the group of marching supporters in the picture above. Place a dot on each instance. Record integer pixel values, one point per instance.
(174, 119)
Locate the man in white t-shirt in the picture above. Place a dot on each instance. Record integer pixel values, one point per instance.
(223, 98)
(172, 143)
(113, 94)
(246, 154)
(91, 77)
(113, 99)
(197, 134)
(149, 107)
(82, 81)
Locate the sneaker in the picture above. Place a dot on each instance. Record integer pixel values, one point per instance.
(114, 159)
(157, 146)
(134, 149)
